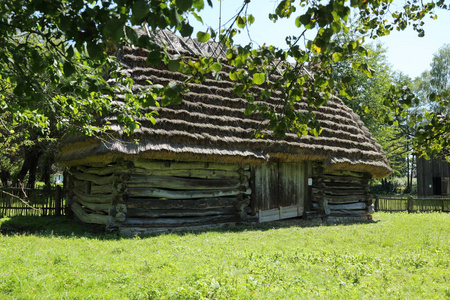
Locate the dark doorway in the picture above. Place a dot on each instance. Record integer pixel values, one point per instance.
(437, 187)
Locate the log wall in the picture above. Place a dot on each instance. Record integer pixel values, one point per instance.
(146, 197)
(340, 196)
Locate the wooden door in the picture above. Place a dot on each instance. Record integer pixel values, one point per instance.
(279, 190)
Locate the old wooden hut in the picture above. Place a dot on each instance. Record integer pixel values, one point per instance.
(433, 177)
(200, 166)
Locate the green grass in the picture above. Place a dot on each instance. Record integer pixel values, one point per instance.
(403, 256)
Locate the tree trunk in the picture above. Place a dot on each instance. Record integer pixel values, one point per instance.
(29, 165)
(5, 176)
(32, 170)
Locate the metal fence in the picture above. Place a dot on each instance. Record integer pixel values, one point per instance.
(19, 201)
(412, 204)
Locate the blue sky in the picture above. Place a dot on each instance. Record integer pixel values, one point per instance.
(406, 52)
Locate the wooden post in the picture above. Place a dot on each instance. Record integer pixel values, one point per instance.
(58, 199)
(69, 194)
(377, 203)
(410, 203)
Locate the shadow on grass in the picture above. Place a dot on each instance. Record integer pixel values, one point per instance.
(66, 227)
(52, 226)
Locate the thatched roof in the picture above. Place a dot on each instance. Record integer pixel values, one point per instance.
(210, 125)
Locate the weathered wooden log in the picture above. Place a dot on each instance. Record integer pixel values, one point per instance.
(101, 171)
(338, 179)
(205, 174)
(179, 183)
(176, 222)
(200, 203)
(133, 231)
(82, 185)
(242, 204)
(336, 192)
(344, 199)
(349, 206)
(103, 199)
(322, 202)
(168, 213)
(86, 217)
(359, 212)
(318, 190)
(344, 173)
(101, 189)
(101, 207)
(100, 180)
(120, 217)
(174, 194)
(321, 209)
(163, 165)
(121, 207)
(346, 186)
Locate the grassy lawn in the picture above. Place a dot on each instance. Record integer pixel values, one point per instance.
(403, 256)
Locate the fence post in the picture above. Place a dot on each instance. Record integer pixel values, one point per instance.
(58, 199)
(377, 204)
(410, 203)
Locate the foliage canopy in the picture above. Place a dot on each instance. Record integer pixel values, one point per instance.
(57, 58)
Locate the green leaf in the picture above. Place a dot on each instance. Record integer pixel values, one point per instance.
(174, 65)
(186, 30)
(70, 52)
(153, 120)
(68, 69)
(203, 37)
(154, 58)
(38, 64)
(173, 92)
(197, 17)
(217, 67)
(148, 101)
(114, 29)
(336, 27)
(184, 5)
(250, 109)
(304, 19)
(337, 56)
(198, 4)
(259, 78)
(250, 19)
(140, 9)
(240, 21)
(238, 89)
(95, 51)
(132, 35)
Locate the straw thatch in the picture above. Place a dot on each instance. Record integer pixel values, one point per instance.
(210, 125)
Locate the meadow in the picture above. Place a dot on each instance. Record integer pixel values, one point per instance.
(401, 256)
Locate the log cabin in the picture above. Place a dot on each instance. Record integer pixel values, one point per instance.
(433, 177)
(201, 167)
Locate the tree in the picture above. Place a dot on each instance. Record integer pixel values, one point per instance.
(56, 57)
(368, 97)
(433, 89)
(440, 70)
